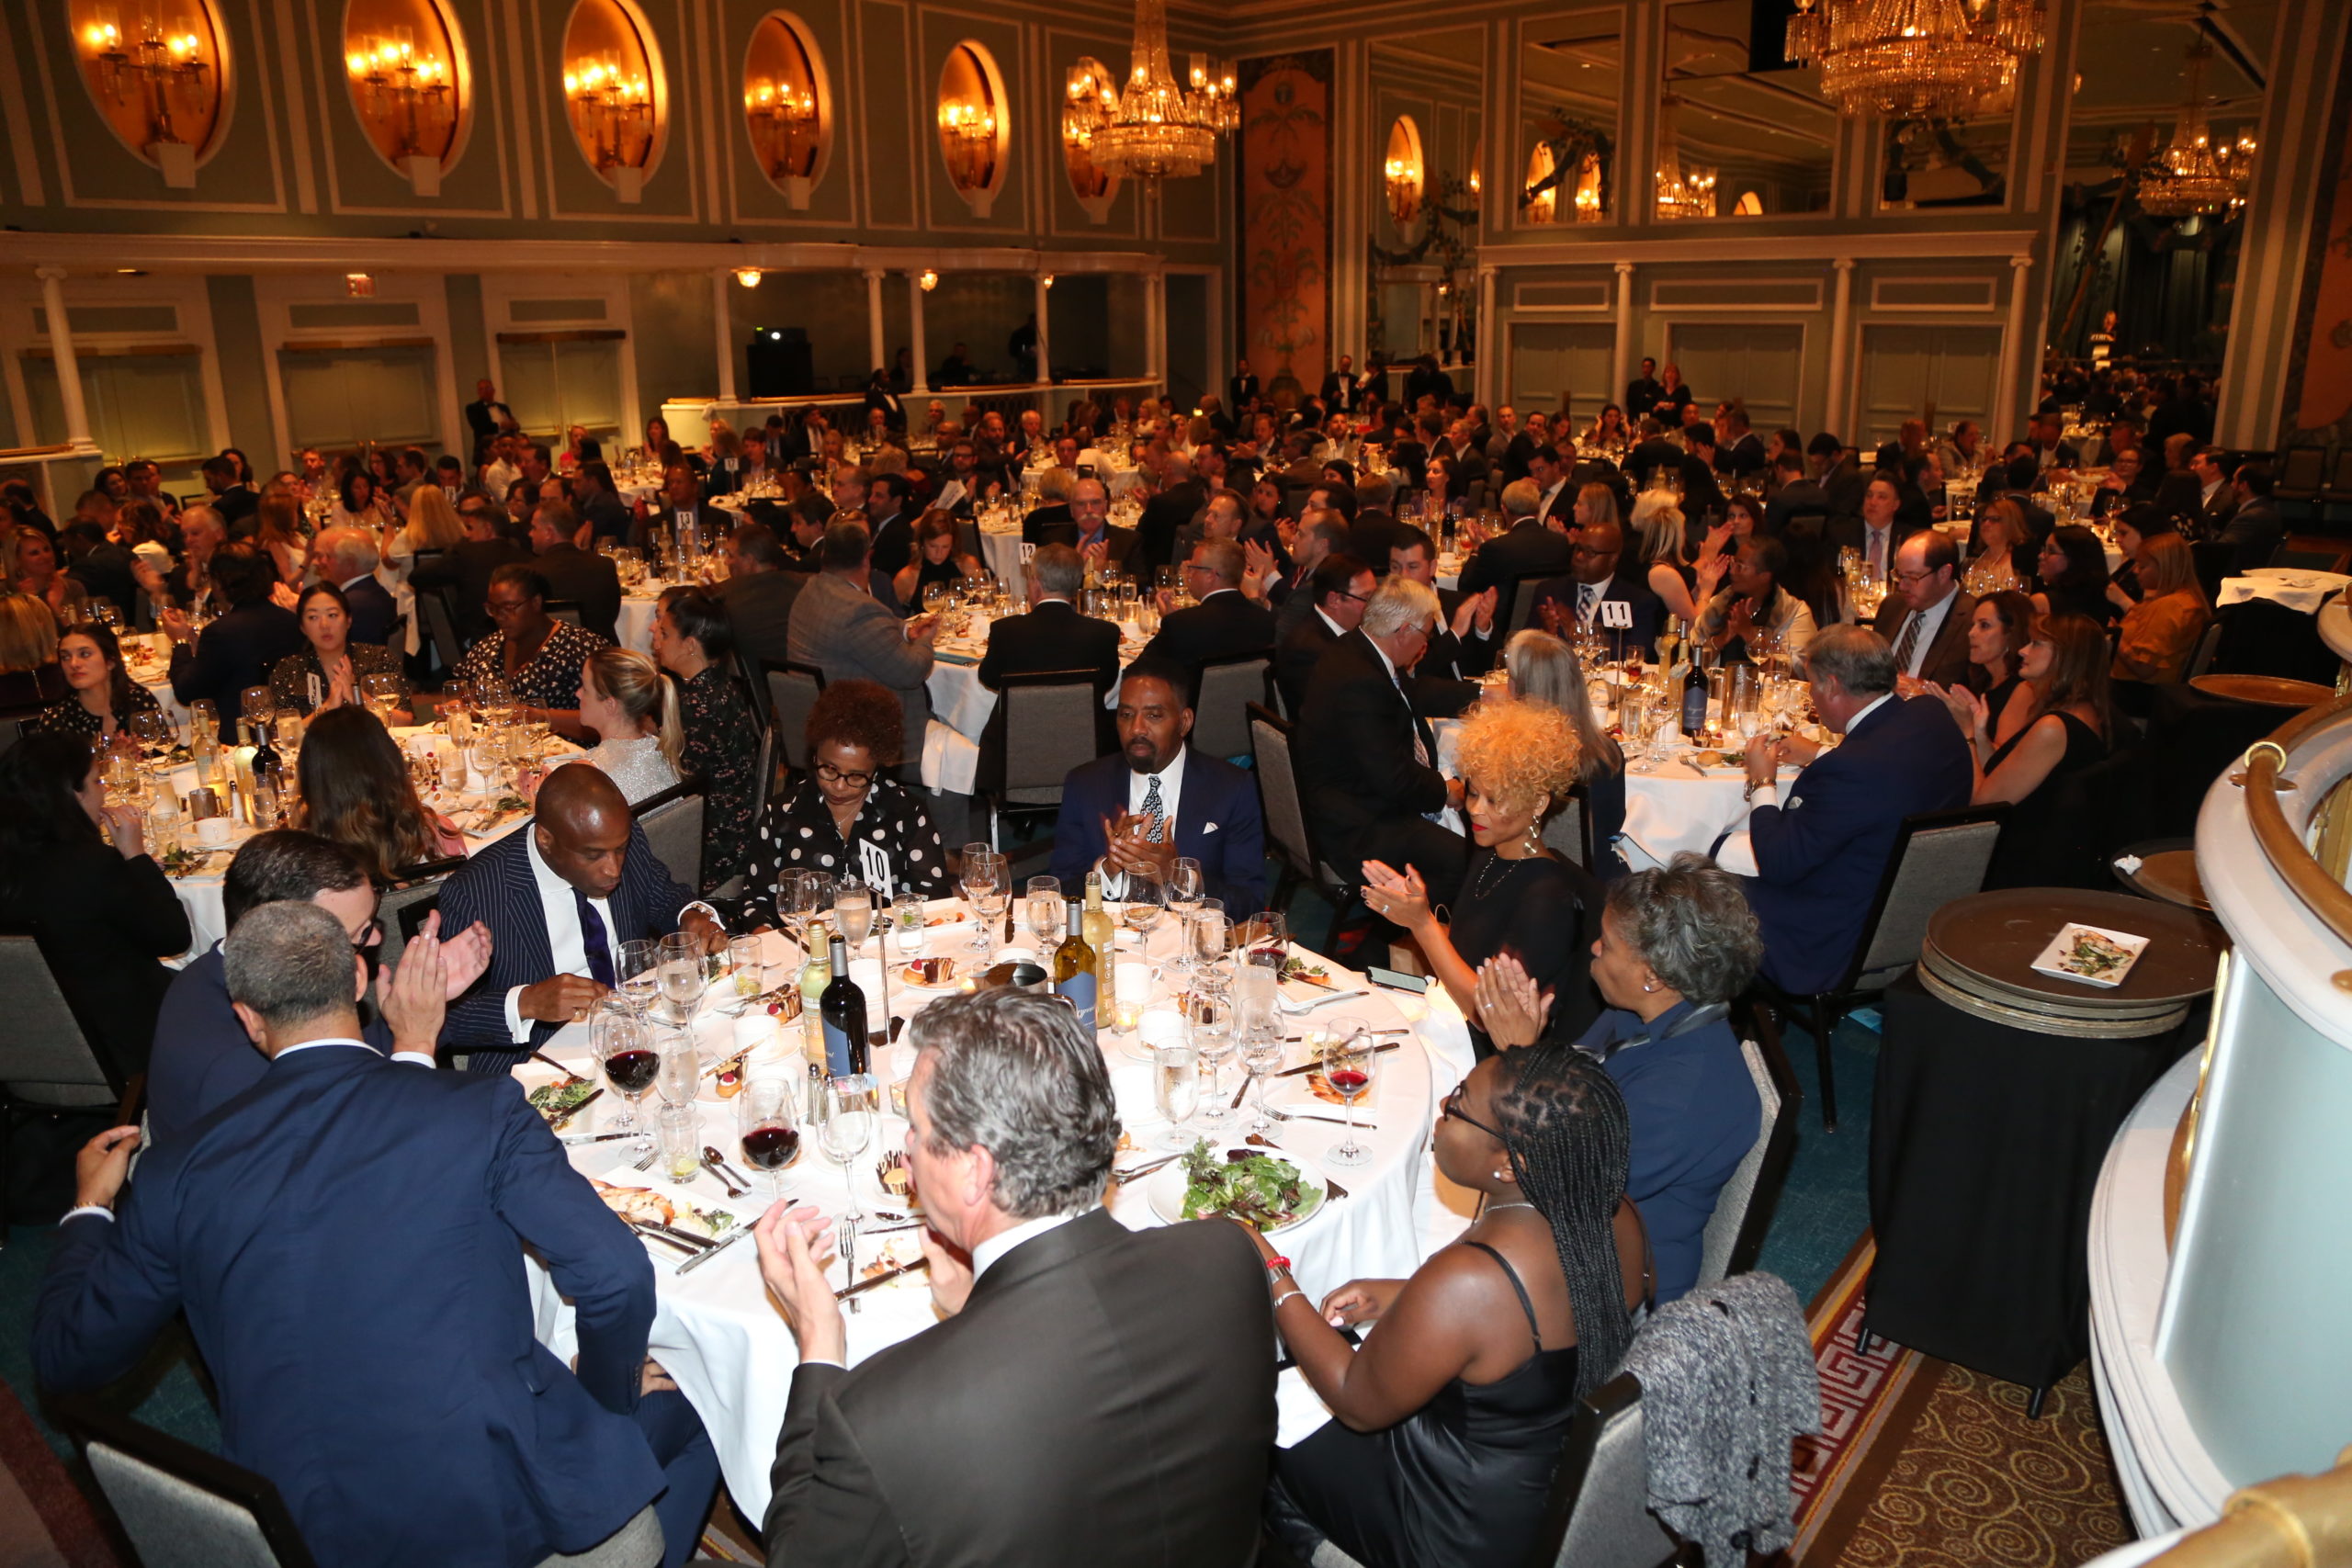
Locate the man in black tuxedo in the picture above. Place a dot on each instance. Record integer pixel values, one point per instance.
(1242, 388)
(346, 557)
(585, 578)
(2216, 501)
(1366, 756)
(1525, 549)
(1463, 646)
(465, 567)
(1652, 452)
(758, 595)
(1644, 392)
(891, 516)
(1567, 605)
(1739, 451)
(1373, 531)
(1181, 496)
(1225, 623)
(1342, 392)
(232, 498)
(1090, 1395)
(1840, 477)
(1556, 498)
(1339, 590)
(1701, 497)
(486, 416)
(560, 895)
(1795, 494)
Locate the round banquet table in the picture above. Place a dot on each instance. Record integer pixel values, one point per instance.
(961, 706)
(635, 623)
(1000, 551)
(722, 1336)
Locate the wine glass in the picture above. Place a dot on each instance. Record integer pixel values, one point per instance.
(984, 885)
(1349, 1065)
(1045, 913)
(382, 695)
(1176, 1088)
(1209, 1012)
(763, 1121)
(203, 723)
(1267, 932)
(624, 1046)
(852, 1108)
(1206, 935)
(1146, 901)
(256, 704)
(1261, 1053)
(1186, 887)
(853, 912)
(680, 975)
(637, 969)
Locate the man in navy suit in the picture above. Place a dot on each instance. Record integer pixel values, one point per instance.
(202, 1057)
(1157, 799)
(1566, 605)
(1814, 861)
(1338, 588)
(559, 897)
(347, 557)
(347, 1239)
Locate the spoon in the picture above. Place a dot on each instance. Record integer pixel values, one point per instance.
(710, 1164)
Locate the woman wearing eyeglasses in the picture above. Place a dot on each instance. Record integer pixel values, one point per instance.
(848, 802)
(1449, 1421)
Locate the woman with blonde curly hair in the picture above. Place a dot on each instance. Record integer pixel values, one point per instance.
(1545, 669)
(1519, 761)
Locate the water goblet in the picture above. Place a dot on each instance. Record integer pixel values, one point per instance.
(636, 968)
(853, 912)
(852, 1106)
(1209, 1011)
(1045, 912)
(1176, 1088)
(1206, 936)
(679, 974)
(1146, 901)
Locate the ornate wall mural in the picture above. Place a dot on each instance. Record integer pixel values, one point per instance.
(1283, 282)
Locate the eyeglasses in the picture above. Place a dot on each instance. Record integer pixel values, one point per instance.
(1912, 576)
(832, 775)
(1452, 1106)
(371, 935)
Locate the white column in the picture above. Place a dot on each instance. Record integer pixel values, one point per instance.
(914, 327)
(1155, 294)
(2013, 348)
(1841, 326)
(877, 343)
(1625, 352)
(1490, 352)
(722, 306)
(69, 369)
(1044, 314)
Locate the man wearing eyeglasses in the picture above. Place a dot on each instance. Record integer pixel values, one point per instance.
(1225, 623)
(203, 1058)
(1341, 585)
(1924, 618)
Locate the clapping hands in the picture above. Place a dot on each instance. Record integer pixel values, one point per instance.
(1512, 1008)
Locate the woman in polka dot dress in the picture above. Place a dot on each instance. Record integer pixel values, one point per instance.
(847, 800)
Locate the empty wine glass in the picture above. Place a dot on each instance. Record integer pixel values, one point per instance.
(852, 1108)
(637, 969)
(382, 694)
(1146, 901)
(1261, 1053)
(1209, 1012)
(984, 885)
(1186, 887)
(625, 1049)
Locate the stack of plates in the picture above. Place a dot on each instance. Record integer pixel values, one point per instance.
(1980, 951)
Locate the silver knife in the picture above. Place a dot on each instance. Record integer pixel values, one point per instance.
(668, 1238)
(863, 1285)
(571, 1140)
(714, 1249)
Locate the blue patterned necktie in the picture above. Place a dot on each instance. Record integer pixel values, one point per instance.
(592, 940)
(1156, 829)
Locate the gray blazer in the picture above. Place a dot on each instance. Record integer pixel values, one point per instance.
(841, 629)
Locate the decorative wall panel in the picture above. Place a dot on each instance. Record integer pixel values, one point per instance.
(1283, 281)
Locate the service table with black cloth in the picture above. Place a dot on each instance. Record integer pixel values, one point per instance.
(1985, 1146)
(2195, 736)
(2260, 637)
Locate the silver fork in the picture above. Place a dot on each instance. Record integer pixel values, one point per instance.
(646, 1161)
(846, 1233)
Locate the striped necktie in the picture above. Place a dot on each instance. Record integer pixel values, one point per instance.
(1907, 641)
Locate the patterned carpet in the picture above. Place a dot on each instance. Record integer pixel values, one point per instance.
(1926, 1464)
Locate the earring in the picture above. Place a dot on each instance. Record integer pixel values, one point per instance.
(1649, 984)
(1535, 839)
(1502, 1176)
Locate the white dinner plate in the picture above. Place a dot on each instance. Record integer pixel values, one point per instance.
(1166, 1187)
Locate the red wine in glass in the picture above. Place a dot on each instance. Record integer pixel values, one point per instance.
(1349, 1082)
(633, 1072)
(771, 1148)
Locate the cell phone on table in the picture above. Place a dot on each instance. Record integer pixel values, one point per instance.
(1397, 981)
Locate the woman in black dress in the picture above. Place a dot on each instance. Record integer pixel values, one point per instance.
(75, 875)
(1449, 1421)
(103, 697)
(1998, 630)
(2065, 667)
(1519, 761)
(2073, 567)
(934, 560)
(693, 641)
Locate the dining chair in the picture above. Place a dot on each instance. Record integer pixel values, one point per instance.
(1734, 1236)
(792, 690)
(181, 1506)
(410, 884)
(1597, 1516)
(1047, 719)
(46, 1064)
(1222, 694)
(673, 823)
(1289, 837)
(440, 627)
(1518, 600)
(563, 610)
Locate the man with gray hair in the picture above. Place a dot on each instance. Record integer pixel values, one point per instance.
(839, 625)
(346, 557)
(1053, 635)
(1100, 1396)
(346, 1238)
(1813, 872)
(1226, 624)
(1365, 754)
(1526, 549)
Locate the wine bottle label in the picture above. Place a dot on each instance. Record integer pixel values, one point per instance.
(1694, 709)
(837, 1049)
(1079, 991)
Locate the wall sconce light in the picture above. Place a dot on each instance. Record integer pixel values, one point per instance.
(971, 125)
(1049, 280)
(970, 133)
(1404, 191)
(158, 87)
(927, 280)
(407, 99)
(359, 285)
(749, 277)
(613, 110)
(784, 106)
(1089, 86)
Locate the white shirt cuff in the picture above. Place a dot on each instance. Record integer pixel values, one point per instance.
(1484, 633)
(1738, 855)
(415, 1058)
(706, 909)
(805, 1360)
(1766, 794)
(87, 1209)
(518, 1029)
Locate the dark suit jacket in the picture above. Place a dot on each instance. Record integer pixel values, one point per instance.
(1119, 545)
(1700, 494)
(1820, 853)
(1649, 610)
(1353, 750)
(496, 888)
(1528, 547)
(1302, 644)
(1052, 637)
(1217, 823)
(487, 418)
(759, 612)
(374, 616)
(1220, 626)
(465, 567)
(2254, 530)
(203, 1057)
(1651, 455)
(104, 924)
(1796, 496)
(1946, 659)
(1106, 1399)
(1516, 454)
(236, 504)
(236, 651)
(894, 543)
(1240, 388)
(405, 1197)
(1162, 515)
(1049, 525)
(1451, 658)
(1372, 535)
(589, 581)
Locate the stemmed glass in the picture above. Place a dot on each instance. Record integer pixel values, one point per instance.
(257, 704)
(1176, 1088)
(203, 723)
(1261, 1053)
(680, 974)
(1206, 936)
(1267, 932)
(763, 1121)
(637, 969)
(1045, 914)
(852, 1109)
(1146, 901)
(853, 912)
(1186, 887)
(1209, 1011)
(1349, 1065)
(984, 885)
(624, 1046)
(679, 1081)
(382, 695)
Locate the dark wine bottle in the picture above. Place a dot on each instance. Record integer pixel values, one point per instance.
(1694, 695)
(842, 1006)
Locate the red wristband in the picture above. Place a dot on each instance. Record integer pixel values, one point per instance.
(1276, 1264)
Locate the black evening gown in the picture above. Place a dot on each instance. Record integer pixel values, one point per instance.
(1542, 909)
(2042, 844)
(1461, 1481)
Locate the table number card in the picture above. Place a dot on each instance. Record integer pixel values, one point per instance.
(877, 871)
(1617, 612)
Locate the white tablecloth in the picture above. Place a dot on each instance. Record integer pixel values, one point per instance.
(1677, 807)
(722, 1336)
(2296, 590)
(1000, 551)
(635, 623)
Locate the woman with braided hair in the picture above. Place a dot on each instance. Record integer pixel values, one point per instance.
(1450, 1419)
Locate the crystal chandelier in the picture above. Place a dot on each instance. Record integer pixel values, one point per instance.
(1684, 190)
(1916, 59)
(1156, 129)
(2190, 175)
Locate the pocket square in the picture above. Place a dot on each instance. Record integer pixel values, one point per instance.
(1208, 828)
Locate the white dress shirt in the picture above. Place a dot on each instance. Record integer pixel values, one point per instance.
(1878, 545)
(567, 950)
